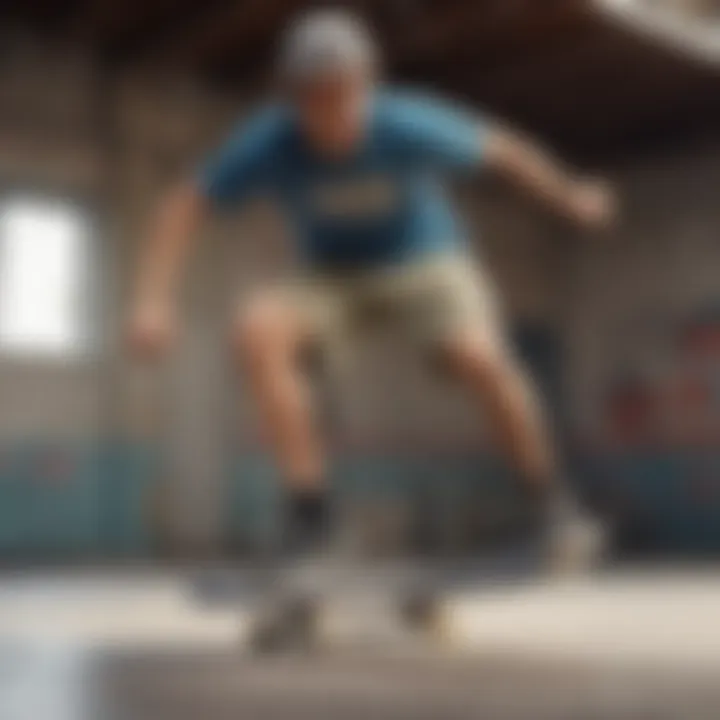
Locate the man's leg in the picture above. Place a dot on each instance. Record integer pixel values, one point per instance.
(271, 335)
(456, 311)
(495, 378)
(516, 419)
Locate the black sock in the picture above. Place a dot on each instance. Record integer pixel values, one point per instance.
(561, 504)
(555, 500)
(307, 519)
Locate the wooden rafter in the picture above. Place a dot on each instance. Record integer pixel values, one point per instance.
(235, 28)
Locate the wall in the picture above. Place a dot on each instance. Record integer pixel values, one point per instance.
(635, 286)
(44, 126)
(612, 297)
(643, 367)
(617, 299)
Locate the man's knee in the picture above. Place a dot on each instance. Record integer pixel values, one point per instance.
(263, 331)
(481, 356)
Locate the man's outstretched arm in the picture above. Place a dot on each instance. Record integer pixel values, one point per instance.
(169, 241)
(535, 170)
(234, 172)
(444, 136)
(161, 266)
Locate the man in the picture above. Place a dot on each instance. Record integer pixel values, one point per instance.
(354, 167)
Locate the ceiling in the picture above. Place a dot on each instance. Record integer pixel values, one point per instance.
(554, 66)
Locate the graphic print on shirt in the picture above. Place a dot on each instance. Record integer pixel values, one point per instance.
(370, 197)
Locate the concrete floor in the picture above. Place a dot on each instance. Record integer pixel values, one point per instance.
(136, 646)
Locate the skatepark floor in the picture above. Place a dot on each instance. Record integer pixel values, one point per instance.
(632, 643)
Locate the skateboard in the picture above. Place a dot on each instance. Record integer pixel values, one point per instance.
(355, 606)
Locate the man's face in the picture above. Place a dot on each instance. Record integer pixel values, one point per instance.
(333, 112)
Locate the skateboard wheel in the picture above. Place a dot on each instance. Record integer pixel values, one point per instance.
(420, 610)
(291, 626)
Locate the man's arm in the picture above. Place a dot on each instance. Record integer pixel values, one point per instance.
(235, 172)
(535, 170)
(170, 239)
(444, 136)
(161, 266)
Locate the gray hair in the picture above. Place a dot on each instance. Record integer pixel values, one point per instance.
(326, 42)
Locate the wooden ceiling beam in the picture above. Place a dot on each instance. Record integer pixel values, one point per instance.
(233, 27)
(40, 15)
(103, 21)
(603, 87)
(161, 38)
(484, 25)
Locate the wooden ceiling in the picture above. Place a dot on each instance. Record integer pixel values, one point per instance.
(553, 66)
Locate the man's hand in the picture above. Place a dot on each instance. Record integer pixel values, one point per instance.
(152, 329)
(533, 169)
(152, 325)
(592, 204)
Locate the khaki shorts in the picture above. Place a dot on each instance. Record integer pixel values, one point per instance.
(429, 301)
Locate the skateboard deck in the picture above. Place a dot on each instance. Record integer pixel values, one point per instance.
(373, 603)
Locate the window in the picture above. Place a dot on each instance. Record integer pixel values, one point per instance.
(43, 247)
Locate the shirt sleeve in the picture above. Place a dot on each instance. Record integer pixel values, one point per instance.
(438, 134)
(243, 166)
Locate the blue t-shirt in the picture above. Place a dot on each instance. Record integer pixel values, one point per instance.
(381, 205)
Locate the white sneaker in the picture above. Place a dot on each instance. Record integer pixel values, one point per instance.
(576, 544)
